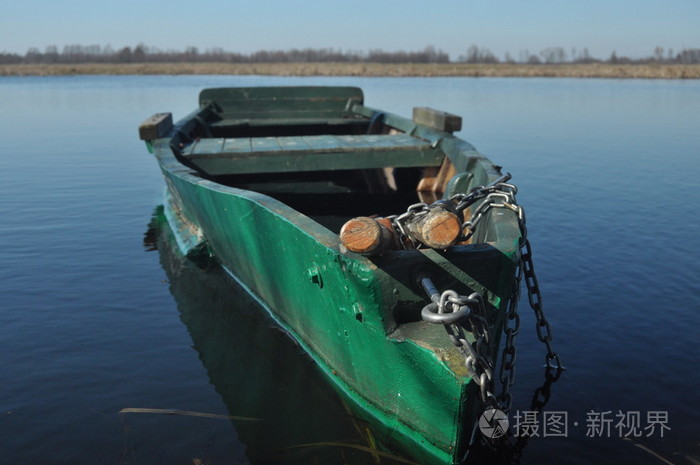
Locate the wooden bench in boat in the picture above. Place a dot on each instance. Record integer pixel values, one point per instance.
(236, 121)
(282, 106)
(222, 156)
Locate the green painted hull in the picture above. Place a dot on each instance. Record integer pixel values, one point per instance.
(405, 377)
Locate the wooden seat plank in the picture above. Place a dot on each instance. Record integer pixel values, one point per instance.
(264, 144)
(310, 153)
(230, 121)
(237, 145)
(322, 143)
(293, 143)
(213, 146)
(353, 142)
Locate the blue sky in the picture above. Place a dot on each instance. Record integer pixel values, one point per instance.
(631, 28)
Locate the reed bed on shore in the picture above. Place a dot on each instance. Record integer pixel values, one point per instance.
(589, 70)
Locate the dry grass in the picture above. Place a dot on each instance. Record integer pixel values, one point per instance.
(594, 70)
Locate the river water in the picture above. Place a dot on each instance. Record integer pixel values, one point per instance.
(98, 318)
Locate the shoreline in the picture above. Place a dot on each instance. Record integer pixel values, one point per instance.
(589, 70)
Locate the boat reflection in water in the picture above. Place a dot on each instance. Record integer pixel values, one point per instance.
(260, 372)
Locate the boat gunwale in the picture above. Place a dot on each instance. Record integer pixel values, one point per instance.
(168, 159)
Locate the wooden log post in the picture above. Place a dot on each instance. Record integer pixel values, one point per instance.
(368, 236)
(439, 229)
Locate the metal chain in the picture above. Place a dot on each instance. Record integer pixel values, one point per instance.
(511, 328)
(459, 314)
(544, 329)
(452, 310)
(399, 223)
(498, 194)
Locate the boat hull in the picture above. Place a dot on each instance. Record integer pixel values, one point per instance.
(339, 307)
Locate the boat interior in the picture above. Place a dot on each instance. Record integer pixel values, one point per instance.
(321, 152)
(325, 155)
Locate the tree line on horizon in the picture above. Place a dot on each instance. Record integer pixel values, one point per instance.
(72, 54)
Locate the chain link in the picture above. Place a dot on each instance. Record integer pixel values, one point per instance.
(400, 222)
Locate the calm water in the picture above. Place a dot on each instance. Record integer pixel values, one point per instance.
(92, 321)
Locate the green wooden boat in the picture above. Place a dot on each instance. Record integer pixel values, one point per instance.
(365, 235)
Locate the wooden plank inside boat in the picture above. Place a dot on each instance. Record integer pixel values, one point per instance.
(282, 102)
(265, 120)
(218, 156)
(275, 108)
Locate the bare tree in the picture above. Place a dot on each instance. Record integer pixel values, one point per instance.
(658, 54)
(124, 55)
(33, 55)
(585, 56)
(476, 54)
(689, 56)
(139, 54)
(51, 54)
(553, 55)
(533, 60)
